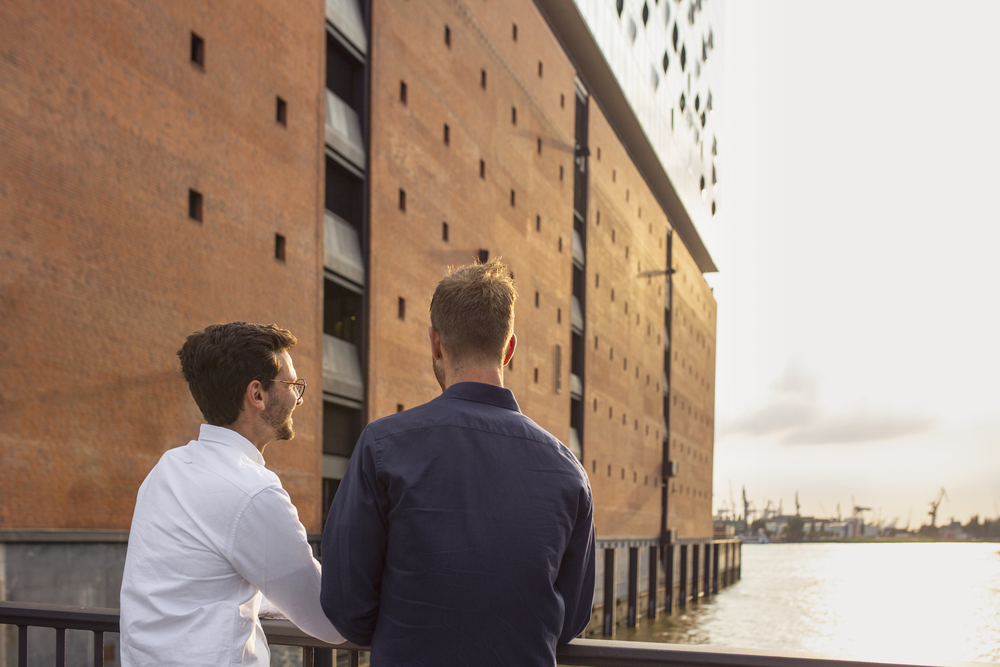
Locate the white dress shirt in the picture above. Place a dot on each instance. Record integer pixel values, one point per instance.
(213, 529)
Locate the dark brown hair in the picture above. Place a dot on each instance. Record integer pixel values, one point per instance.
(219, 362)
(472, 311)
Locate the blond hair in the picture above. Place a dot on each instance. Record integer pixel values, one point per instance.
(472, 311)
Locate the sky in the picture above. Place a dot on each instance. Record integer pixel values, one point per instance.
(858, 342)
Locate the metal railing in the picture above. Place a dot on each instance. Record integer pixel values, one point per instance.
(580, 652)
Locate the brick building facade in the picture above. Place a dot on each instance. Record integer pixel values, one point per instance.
(169, 165)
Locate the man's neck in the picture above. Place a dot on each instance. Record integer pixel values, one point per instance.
(247, 431)
(485, 375)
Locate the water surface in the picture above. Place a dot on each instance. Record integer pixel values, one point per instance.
(874, 601)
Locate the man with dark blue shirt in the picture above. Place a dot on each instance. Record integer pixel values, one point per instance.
(462, 532)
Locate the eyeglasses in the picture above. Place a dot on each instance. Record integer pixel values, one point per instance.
(299, 387)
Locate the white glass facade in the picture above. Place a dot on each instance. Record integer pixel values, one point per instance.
(655, 71)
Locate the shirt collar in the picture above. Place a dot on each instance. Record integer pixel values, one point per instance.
(481, 392)
(230, 438)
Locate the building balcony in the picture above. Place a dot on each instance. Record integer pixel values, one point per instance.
(345, 17)
(343, 130)
(574, 444)
(576, 316)
(578, 256)
(342, 369)
(575, 386)
(342, 249)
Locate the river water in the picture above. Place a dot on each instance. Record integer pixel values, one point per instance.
(923, 602)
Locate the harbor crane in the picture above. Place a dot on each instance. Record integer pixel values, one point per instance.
(797, 506)
(858, 509)
(943, 495)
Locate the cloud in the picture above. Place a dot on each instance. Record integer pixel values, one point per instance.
(860, 424)
(792, 413)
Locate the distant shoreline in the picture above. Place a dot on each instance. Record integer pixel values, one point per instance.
(880, 540)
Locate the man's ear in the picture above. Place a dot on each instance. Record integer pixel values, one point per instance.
(254, 396)
(436, 352)
(509, 354)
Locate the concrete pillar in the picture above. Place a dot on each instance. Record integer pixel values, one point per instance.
(633, 586)
(668, 569)
(708, 569)
(609, 593)
(682, 597)
(739, 560)
(715, 568)
(695, 552)
(654, 580)
(725, 564)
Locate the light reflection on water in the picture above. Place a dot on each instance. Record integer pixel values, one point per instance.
(887, 601)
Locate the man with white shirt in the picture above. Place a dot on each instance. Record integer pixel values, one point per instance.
(213, 530)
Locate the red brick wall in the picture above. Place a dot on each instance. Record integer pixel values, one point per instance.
(106, 124)
(692, 387)
(626, 235)
(443, 184)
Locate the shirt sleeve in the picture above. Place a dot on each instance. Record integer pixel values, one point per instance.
(354, 544)
(575, 581)
(271, 551)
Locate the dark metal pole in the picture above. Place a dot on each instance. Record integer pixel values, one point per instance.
(60, 647)
(98, 649)
(633, 585)
(715, 568)
(708, 569)
(682, 597)
(609, 592)
(654, 580)
(668, 568)
(22, 646)
(695, 553)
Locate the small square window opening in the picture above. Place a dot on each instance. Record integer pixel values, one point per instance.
(282, 112)
(195, 205)
(197, 50)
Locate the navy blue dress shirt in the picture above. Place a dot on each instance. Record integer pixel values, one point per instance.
(461, 534)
